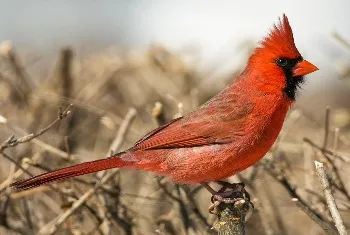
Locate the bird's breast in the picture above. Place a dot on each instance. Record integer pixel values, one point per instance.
(263, 134)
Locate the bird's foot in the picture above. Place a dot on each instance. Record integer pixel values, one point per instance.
(219, 199)
(229, 193)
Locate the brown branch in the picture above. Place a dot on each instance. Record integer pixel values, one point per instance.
(64, 71)
(27, 215)
(23, 83)
(52, 228)
(231, 218)
(16, 164)
(124, 127)
(3, 212)
(299, 201)
(340, 186)
(114, 147)
(192, 206)
(329, 198)
(77, 204)
(327, 151)
(326, 128)
(12, 141)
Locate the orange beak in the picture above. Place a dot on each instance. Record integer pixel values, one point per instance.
(304, 67)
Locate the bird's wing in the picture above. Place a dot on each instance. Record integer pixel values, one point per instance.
(216, 122)
(170, 135)
(155, 131)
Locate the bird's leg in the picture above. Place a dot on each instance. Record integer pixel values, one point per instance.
(236, 193)
(207, 187)
(236, 188)
(229, 196)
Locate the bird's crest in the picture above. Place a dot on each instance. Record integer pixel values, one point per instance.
(280, 40)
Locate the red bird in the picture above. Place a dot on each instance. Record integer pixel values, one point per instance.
(224, 136)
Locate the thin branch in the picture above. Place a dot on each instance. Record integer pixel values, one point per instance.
(336, 140)
(27, 215)
(77, 204)
(124, 127)
(67, 147)
(16, 164)
(3, 212)
(51, 229)
(340, 186)
(12, 141)
(114, 147)
(326, 128)
(192, 205)
(17, 67)
(301, 203)
(327, 151)
(329, 198)
(19, 172)
(22, 83)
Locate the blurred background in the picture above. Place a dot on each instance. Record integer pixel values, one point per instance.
(215, 30)
(163, 59)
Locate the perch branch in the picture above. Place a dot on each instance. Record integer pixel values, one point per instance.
(231, 218)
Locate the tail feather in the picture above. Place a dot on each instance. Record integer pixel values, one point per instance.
(68, 172)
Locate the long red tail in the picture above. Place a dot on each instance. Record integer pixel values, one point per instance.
(72, 171)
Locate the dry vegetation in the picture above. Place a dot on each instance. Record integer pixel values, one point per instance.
(116, 98)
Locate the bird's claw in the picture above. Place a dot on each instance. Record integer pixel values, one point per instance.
(237, 193)
(219, 199)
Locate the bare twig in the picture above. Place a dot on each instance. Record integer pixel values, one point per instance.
(326, 128)
(300, 202)
(336, 140)
(3, 212)
(19, 172)
(16, 163)
(192, 205)
(64, 71)
(12, 141)
(340, 186)
(327, 151)
(158, 113)
(23, 83)
(28, 214)
(308, 154)
(120, 137)
(77, 204)
(329, 198)
(18, 68)
(269, 211)
(67, 147)
(115, 146)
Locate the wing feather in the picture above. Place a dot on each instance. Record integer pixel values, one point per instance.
(218, 121)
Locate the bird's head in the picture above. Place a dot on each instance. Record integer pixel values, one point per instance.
(279, 62)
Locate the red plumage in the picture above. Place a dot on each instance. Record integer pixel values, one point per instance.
(225, 135)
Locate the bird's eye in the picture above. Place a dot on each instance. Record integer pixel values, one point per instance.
(282, 62)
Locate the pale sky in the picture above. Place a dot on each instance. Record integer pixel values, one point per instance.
(215, 27)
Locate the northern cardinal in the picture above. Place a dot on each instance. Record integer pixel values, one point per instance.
(224, 136)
